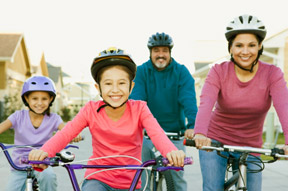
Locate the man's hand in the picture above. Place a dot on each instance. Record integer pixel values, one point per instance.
(189, 133)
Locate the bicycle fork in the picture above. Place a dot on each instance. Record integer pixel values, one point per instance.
(242, 180)
(31, 182)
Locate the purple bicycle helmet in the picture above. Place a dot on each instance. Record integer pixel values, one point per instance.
(38, 83)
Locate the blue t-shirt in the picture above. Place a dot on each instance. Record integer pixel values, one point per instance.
(26, 134)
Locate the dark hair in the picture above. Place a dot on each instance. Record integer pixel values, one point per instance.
(126, 69)
(47, 111)
(230, 41)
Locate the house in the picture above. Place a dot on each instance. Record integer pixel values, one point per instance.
(15, 66)
(79, 94)
(57, 75)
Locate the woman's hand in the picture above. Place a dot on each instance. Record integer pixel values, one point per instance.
(201, 140)
(176, 158)
(39, 155)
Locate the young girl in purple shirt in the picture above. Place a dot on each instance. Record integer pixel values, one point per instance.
(33, 127)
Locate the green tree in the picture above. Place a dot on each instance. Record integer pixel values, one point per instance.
(11, 104)
(65, 113)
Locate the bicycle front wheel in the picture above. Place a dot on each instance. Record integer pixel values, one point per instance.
(165, 182)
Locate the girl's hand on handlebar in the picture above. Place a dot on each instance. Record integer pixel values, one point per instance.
(201, 140)
(176, 158)
(39, 155)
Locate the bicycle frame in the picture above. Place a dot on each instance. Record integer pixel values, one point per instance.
(139, 168)
(240, 177)
(28, 169)
(156, 176)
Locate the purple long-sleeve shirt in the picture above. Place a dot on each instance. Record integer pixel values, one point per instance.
(233, 112)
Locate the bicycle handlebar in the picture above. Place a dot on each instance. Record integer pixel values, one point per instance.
(216, 145)
(62, 158)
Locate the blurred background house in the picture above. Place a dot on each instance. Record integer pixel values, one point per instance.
(16, 67)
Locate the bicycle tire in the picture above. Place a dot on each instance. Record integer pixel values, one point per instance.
(165, 182)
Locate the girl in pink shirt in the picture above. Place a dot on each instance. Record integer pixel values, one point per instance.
(116, 125)
(241, 90)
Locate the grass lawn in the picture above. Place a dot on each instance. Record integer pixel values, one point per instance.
(280, 140)
(7, 137)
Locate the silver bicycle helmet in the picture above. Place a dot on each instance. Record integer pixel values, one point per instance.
(245, 24)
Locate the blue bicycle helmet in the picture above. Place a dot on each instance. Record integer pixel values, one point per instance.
(38, 83)
(112, 56)
(160, 39)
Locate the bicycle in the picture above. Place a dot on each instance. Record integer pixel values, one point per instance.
(239, 177)
(161, 181)
(65, 159)
(31, 180)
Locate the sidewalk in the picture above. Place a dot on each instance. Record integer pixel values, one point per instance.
(275, 175)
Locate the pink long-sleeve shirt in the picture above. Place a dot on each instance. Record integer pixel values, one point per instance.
(123, 137)
(233, 112)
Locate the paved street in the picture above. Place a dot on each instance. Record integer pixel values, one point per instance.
(275, 176)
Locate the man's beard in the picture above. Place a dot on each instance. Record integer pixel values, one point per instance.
(160, 66)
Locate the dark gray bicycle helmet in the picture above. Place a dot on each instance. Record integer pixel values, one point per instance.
(245, 24)
(160, 39)
(109, 57)
(38, 83)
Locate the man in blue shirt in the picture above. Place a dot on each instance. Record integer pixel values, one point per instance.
(169, 90)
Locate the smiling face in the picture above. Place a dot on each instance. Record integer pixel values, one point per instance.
(244, 49)
(115, 85)
(160, 57)
(38, 101)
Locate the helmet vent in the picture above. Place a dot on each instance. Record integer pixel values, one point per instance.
(262, 27)
(46, 83)
(34, 83)
(250, 18)
(241, 19)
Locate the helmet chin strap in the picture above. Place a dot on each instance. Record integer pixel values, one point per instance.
(37, 113)
(107, 104)
(253, 64)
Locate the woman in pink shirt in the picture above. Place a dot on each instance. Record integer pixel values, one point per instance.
(235, 99)
(116, 125)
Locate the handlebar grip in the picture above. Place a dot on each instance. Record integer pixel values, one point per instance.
(191, 143)
(25, 160)
(278, 151)
(187, 161)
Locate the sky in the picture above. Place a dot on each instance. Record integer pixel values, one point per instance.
(71, 33)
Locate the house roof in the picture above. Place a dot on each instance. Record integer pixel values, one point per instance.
(54, 72)
(8, 45)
